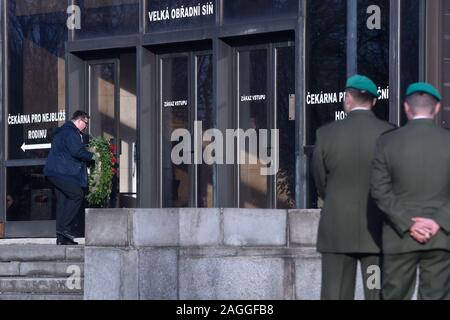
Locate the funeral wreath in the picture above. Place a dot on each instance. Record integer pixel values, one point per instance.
(102, 173)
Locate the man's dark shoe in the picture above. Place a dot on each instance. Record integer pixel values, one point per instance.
(63, 238)
(66, 234)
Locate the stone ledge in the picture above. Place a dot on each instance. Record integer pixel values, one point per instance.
(303, 227)
(32, 252)
(243, 227)
(107, 227)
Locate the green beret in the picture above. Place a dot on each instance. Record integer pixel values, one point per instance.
(362, 83)
(423, 87)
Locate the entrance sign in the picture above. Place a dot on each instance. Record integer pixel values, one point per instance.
(179, 14)
(182, 12)
(36, 128)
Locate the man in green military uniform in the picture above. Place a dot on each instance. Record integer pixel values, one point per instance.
(411, 184)
(350, 225)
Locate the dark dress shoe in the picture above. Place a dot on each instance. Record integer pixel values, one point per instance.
(63, 240)
(66, 234)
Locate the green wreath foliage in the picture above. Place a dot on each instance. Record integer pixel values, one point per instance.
(101, 175)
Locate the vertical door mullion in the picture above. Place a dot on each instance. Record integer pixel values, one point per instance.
(236, 95)
(117, 125)
(274, 116)
(159, 104)
(352, 37)
(87, 97)
(192, 78)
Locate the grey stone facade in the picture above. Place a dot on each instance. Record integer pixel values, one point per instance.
(201, 254)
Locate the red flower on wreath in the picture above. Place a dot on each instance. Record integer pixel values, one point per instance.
(114, 170)
(114, 160)
(113, 148)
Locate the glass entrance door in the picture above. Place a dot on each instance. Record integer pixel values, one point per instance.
(265, 107)
(104, 109)
(185, 104)
(111, 101)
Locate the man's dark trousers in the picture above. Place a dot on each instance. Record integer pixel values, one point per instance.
(400, 274)
(339, 276)
(69, 199)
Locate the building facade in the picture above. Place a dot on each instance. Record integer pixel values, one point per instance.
(147, 69)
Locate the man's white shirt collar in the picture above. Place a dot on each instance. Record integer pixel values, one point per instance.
(423, 118)
(360, 109)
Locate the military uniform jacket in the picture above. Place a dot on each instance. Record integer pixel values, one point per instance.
(350, 221)
(411, 178)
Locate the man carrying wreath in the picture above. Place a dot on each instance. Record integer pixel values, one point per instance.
(66, 169)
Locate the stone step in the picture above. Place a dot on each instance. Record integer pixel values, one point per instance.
(15, 285)
(47, 268)
(40, 252)
(41, 296)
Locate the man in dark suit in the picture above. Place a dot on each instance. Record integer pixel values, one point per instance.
(66, 170)
(411, 184)
(350, 225)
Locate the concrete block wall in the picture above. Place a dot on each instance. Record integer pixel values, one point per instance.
(213, 254)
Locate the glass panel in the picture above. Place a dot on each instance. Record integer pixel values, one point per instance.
(326, 69)
(128, 132)
(373, 48)
(37, 32)
(239, 11)
(285, 95)
(166, 15)
(253, 114)
(101, 102)
(175, 107)
(105, 18)
(29, 195)
(326, 62)
(410, 47)
(205, 115)
(102, 107)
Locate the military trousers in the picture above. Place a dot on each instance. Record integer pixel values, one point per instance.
(400, 275)
(339, 276)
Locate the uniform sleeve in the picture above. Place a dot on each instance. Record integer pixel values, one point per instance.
(319, 168)
(442, 217)
(381, 189)
(77, 148)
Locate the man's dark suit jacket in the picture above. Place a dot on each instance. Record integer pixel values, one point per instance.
(411, 178)
(68, 156)
(350, 221)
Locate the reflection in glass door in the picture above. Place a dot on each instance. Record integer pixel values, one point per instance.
(103, 103)
(266, 101)
(186, 100)
(204, 113)
(285, 120)
(253, 116)
(175, 106)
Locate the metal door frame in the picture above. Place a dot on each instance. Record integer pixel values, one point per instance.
(192, 56)
(271, 48)
(118, 141)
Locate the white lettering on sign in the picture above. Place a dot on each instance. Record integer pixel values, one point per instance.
(338, 97)
(36, 118)
(180, 103)
(181, 12)
(258, 97)
(37, 134)
(340, 115)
